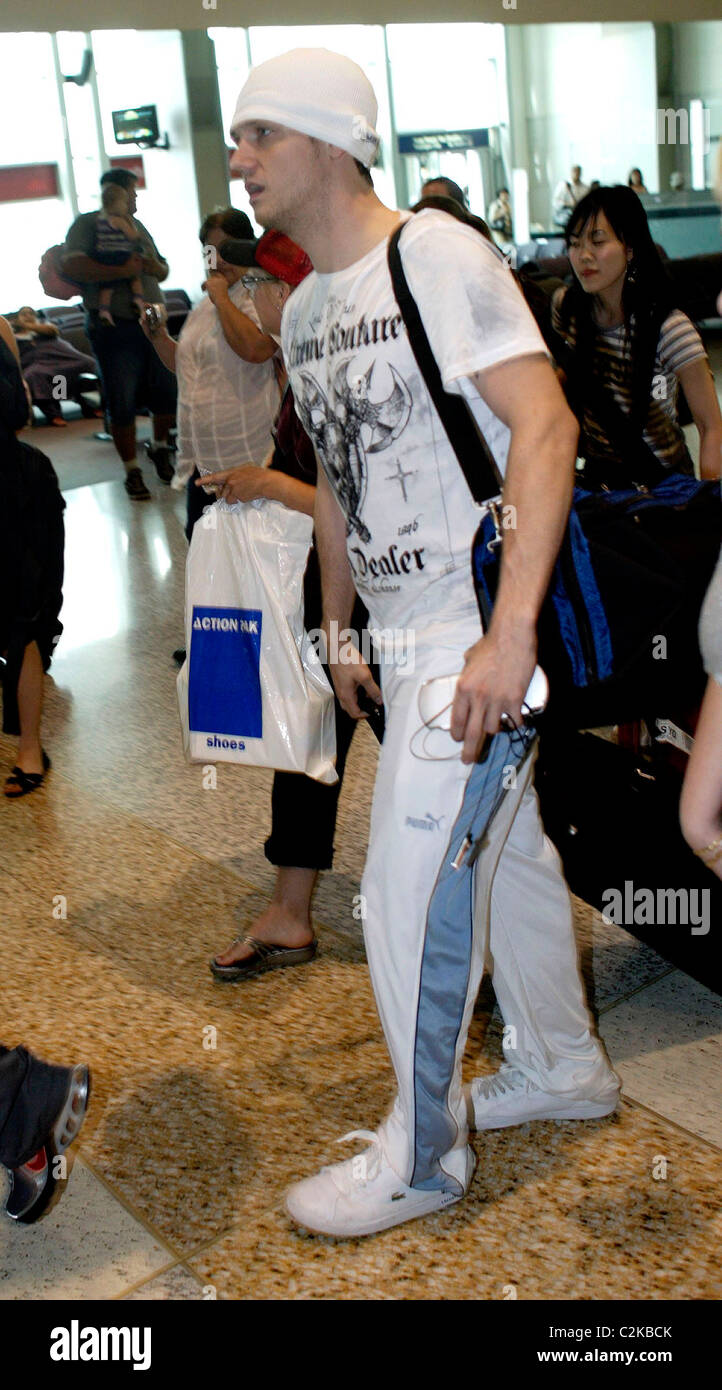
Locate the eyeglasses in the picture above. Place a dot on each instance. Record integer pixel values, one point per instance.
(251, 282)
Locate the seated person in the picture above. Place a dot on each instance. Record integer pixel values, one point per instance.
(51, 366)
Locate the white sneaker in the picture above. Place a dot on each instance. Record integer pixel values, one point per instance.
(363, 1194)
(510, 1098)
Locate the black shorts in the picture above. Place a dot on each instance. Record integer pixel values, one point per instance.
(134, 378)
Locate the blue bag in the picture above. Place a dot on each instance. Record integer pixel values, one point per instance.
(618, 628)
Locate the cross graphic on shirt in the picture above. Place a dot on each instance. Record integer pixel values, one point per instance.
(399, 477)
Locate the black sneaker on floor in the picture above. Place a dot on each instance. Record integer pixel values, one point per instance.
(135, 486)
(160, 456)
(33, 1184)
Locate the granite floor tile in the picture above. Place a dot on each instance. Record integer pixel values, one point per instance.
(667, 1047)
(173, 1285)
(556, 1211)
(175, 1053)
(138, 766)
(124, 875)
(185, 1070)
(87, 1246)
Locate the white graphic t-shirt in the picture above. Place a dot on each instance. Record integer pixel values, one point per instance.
(360, 397)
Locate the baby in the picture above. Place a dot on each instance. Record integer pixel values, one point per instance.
(116, 238)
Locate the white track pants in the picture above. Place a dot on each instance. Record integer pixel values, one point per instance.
(522, 918)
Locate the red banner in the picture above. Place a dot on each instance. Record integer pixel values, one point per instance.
(19, 182)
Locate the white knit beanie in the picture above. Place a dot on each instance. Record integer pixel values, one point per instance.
(318, 93)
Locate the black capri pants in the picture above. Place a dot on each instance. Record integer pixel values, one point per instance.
(134, 378)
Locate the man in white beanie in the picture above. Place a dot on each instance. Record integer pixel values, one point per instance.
(395, 519)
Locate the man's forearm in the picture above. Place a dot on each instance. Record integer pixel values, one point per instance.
(537, 495)
(710, 453)
(337, 586)
(80, 267)
(165, 346)
(157, 268)
(292, 492)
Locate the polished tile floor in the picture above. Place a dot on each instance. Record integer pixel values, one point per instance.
(125, 874)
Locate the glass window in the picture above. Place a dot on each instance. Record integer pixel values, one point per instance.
(82, 125)
(231, 48)
(31, 132)
(445, 75)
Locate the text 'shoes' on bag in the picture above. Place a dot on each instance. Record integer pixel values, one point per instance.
(253, 689)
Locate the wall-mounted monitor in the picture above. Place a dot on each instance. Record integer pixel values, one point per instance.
(136, 125)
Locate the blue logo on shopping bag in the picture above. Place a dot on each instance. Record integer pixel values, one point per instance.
(224, 683)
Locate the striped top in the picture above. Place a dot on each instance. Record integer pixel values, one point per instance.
(679, 344)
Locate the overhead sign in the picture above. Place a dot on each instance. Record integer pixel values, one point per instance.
(20, 182)
(425, 141)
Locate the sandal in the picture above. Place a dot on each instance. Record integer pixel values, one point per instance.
(264, 957)
(25, 782)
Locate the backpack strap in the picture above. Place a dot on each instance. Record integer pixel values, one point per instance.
(475, 457)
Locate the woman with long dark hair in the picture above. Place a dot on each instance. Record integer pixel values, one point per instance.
(626, 348)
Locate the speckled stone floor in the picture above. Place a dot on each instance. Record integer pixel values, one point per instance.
(124, 875)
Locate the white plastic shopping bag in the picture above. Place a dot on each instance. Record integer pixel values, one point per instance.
(252, 689)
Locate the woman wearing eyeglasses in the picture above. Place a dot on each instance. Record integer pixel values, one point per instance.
(228, 389)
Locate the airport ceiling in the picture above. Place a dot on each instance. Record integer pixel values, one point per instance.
(24, 15)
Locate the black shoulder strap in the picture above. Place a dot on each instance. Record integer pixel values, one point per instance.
(476, 459)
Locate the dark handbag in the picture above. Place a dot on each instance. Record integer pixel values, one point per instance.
(618, 627)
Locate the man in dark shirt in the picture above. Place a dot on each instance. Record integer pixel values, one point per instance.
(133, 375)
